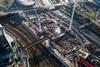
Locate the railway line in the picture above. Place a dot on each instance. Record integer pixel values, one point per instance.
(21, 37)
(35, 53)
(38, 55)
(16, 33)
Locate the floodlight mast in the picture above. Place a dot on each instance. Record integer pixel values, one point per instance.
(74, 8)
(72, 16)
(40, 27)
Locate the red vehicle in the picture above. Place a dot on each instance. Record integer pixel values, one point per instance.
(84, 62)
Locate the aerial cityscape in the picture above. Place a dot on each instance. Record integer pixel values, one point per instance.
(49, 33)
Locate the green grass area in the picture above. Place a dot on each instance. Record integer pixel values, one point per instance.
(5, 3)
(65, 7)
(55, 1)
(90, 14)
(78, 7)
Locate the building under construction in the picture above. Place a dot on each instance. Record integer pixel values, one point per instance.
(49, 33)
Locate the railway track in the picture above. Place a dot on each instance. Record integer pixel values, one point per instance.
(17, 34)
(22, 36)
(25, 37)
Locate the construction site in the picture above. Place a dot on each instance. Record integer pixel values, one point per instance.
(49, 33)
